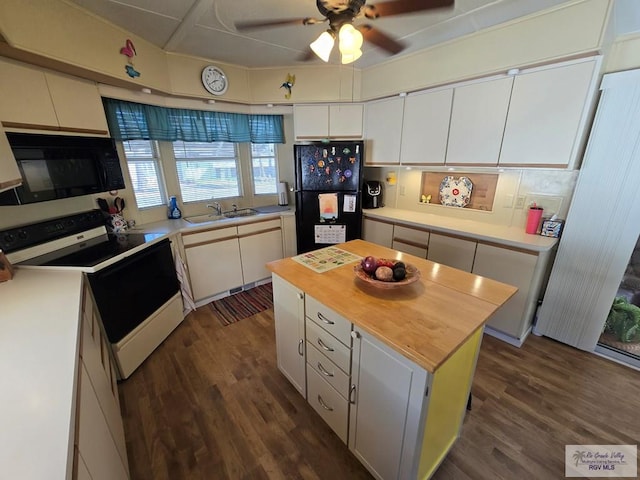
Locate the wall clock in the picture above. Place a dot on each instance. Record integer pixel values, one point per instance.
(214, 80)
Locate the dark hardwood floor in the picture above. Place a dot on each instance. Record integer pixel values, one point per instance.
(211, 404)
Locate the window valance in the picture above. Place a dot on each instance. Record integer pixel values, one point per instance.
(137, 121)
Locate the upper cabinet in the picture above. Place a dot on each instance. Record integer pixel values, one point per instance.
(9, 174)
(477, 123)
(425, 127)
(383, 131)
(548, 110)
(337, 121)
(46, 100)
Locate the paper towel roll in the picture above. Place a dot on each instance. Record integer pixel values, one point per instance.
(283, 198)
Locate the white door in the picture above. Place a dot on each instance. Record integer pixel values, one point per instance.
(452, 251)
(256, 251)
(387, 399)
(288, 309)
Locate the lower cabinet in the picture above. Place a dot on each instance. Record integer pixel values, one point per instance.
(226, 257)
(377, 231)
(388, 399)
(520, 268)
(260, 243)
(398, 419)
(288, 309)
(452, 251)
(100, 442)
(412, 240)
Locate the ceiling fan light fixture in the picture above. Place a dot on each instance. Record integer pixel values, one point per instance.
(323, 45)
(350, 57)
(350, 39)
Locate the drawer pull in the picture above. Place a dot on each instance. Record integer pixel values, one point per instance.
(324, 405)
(325, 319)
(324, 346)
(352, 390)
(300, 349)
(323, 371)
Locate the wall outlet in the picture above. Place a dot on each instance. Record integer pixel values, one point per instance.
(520, 201)
(402, 190)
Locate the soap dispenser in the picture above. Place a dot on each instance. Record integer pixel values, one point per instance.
(174, 211)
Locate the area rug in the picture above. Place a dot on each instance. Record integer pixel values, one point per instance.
(243, 304)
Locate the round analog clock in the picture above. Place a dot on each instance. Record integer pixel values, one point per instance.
(214, 80)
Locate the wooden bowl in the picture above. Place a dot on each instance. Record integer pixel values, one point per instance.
(413, 274)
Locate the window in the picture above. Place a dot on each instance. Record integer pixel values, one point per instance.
(142, 160)
(264, 168)
(207, 170)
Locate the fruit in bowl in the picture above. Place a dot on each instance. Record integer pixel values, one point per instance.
(384, 269)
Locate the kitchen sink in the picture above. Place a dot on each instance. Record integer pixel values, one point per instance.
(207, 217)
(243, 212)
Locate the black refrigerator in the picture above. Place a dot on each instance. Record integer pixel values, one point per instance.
(328, 193)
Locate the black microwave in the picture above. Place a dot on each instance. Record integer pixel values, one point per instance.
(59, 166)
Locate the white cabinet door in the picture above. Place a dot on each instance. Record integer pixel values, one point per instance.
(546, 115)
(387, 401)
(24, 96)
(289, 237)
(425, 127)
(311, 121)
(9, 173)
(214, 267)
(288, 309)
(259, 248)
(77, 103)
(515, 268)
(377, 231)
(477, 122)
(412, 240)
(452, 251)
(345, 120)
(95, 443)
(383, 131)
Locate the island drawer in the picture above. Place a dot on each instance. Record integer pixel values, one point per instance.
(328, 403)
(328, 370)
(329, 346)
(329, 320)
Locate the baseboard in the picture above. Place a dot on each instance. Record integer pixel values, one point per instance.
(516, 342)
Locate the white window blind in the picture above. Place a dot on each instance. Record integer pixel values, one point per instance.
(207, 170)
(142, 160)
(264, 167)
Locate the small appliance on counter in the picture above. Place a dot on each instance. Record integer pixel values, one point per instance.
(372, 194)
(283, 198)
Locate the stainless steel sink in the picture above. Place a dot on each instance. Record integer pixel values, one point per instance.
(243, 212)
(207, 217)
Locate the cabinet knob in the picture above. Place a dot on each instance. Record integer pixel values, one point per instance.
(355, 334)
(300, 348)
(300, 295)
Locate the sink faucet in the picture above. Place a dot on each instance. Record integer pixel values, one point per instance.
(216, 206)
(235, 207)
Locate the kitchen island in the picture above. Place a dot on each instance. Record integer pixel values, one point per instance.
(389, 370)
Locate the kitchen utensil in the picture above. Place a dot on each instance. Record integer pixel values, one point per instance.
(413, 274)
(118, 202)
(104, 206)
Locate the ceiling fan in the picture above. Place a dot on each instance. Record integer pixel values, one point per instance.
(341, 14)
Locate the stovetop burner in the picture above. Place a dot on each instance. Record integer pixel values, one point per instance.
(94, 251)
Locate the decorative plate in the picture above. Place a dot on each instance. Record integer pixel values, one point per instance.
(413, 274)
(455, 192)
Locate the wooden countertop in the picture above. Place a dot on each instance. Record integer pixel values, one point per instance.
(425, 321)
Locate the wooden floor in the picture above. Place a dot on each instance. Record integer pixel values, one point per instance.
(211, 404)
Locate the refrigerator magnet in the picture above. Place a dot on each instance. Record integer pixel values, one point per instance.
(349, 204)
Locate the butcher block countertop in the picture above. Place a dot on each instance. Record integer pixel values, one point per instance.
(426, 321)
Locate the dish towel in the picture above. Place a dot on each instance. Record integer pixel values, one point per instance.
(185, 289)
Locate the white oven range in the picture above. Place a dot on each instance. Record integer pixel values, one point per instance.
(132, 277)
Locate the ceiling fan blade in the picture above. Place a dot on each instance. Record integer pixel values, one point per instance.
(380, 39)
(256, 24)
(400, 7)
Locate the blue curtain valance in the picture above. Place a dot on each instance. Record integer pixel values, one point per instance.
(137, 121)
